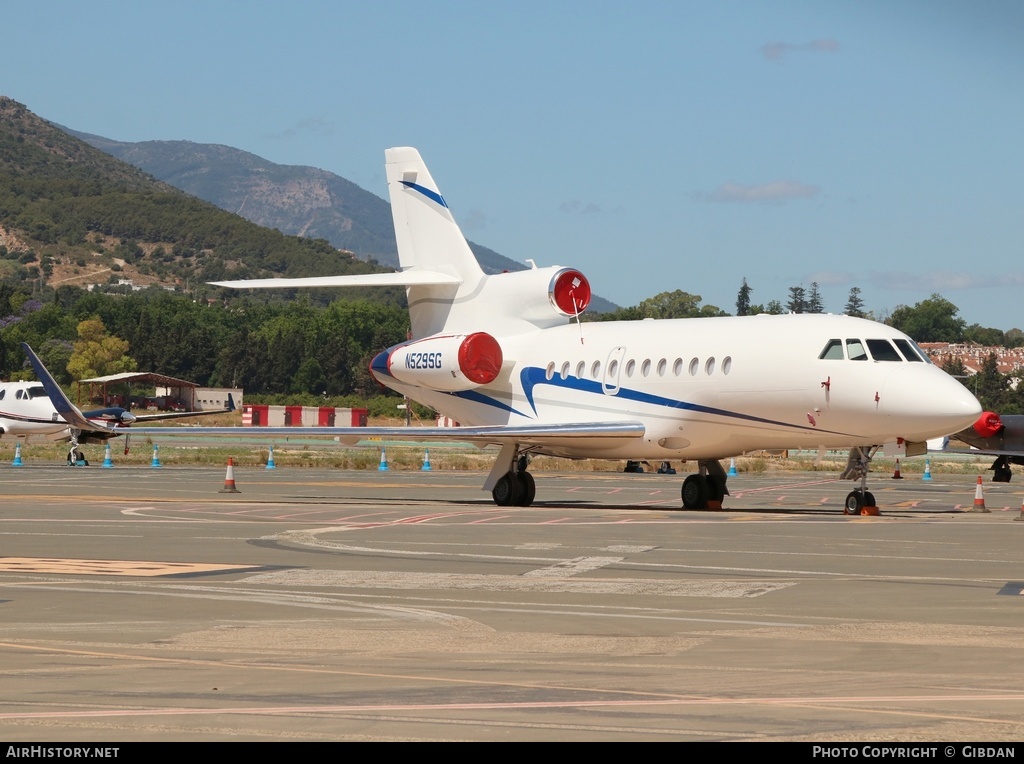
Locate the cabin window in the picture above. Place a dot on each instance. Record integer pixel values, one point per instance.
(833, 351)
(709, 366)
(2, 394)
(613, 368)
(727, 364)
(662, 366)
(630, 367)
(882, 350)
(549, 372)
(645, 368)
(694, 366)
(19, 395)
(910, 351)
(565, 370)
(581, 369)
(595, 370)
(855, 349)
(677, 367)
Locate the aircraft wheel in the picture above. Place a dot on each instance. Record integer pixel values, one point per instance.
(506, 491)
(714, 493)
(869, 500)
(527, 489)
(854, 503)
(695, 492)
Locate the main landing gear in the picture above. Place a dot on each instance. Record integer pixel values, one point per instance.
(705, 489)
(859, 501)
(1001, 472)
(75, 456)
(516, 488)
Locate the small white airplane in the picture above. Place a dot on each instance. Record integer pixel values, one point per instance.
(27, 414)
(507, 357)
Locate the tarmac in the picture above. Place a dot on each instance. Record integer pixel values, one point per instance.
(141, 604)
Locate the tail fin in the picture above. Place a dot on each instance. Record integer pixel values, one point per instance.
(428, 239)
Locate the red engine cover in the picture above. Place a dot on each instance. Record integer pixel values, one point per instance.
(480, 358)
(988, 424)
(570, 292)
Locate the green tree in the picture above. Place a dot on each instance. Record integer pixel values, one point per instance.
(814, 302)
(854, 304)
(931, 320)
(97, 353)
(743, 299)
(797, 300)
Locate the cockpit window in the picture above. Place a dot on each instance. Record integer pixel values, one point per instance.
(911, 351)
(882, 350)
(833, 351)
(855, 349)
(37, 391)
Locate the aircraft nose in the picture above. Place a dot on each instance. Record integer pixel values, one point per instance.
(934, 404)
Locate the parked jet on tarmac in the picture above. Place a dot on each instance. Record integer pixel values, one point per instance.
(994, 435)
(28, 414)
(507, 357)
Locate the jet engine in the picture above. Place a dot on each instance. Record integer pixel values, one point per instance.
(450, 363)
(544, 297)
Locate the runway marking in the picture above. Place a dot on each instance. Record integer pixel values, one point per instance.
(138, 568)
(810, 701)
(546, 580)
(568, 568)
(1013, 587)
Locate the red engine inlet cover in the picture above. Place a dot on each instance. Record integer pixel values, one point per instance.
(988, 424)
(570, 292)
(480, 358)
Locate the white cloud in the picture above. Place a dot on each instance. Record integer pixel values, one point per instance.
(776, 51)
(474, 220)
(776, 192)
(309, 126)
(584, 208)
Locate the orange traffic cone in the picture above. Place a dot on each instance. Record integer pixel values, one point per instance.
(1021, 516)
(229, 478)
(896, 475)
(979, 498)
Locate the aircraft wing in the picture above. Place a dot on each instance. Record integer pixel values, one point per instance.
(401, 278)
(524, 434)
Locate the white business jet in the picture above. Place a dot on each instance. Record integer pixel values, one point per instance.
(28, 415)
(507, 357)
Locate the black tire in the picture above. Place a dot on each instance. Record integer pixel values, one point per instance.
(854, 503)
(506, 491)
(869, 500)
(695, 492)
(714, 492)
(527, 489)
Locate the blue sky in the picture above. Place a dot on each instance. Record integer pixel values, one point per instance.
(653, 145)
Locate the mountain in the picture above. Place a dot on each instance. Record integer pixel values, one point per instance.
(72, 214)
(304, 201)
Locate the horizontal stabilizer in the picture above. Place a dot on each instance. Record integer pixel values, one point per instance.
(401, 278)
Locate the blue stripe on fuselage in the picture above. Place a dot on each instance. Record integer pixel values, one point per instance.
(532, 376)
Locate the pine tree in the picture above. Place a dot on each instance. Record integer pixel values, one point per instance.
(854, 304)
(797, 300)
(743, 299)
(814, 301)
